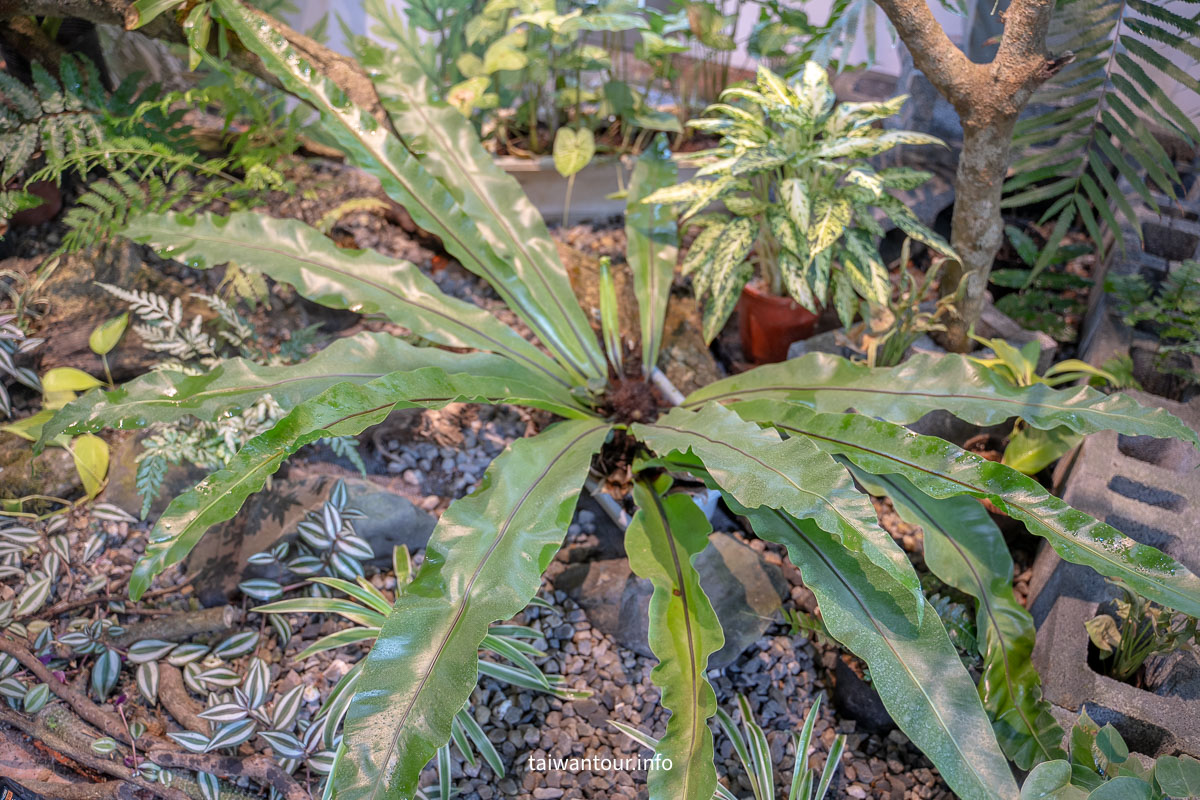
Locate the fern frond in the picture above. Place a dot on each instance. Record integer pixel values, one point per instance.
(151, 473)
(347, 447)
(240, 332)
(50, 117)
(184, 342)
(147, 305)
(13, 201)
(243, 283)
(108, 205)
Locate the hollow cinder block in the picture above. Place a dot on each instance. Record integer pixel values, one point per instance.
(1149, 489)
(1152, 724)
(1172, 231)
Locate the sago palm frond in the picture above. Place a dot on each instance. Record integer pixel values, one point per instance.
(1096, 116)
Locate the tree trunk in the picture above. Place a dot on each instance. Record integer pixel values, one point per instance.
(988, 98)
(977, 229)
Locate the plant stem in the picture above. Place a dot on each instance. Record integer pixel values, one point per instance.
(567, 202)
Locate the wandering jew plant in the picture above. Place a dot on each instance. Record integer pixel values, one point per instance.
(778, 442)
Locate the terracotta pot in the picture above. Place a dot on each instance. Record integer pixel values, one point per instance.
(769, 323)
(51, 205)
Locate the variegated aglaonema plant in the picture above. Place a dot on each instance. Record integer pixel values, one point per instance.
(779, 443)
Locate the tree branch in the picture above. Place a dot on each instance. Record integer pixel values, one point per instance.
(108, 790)
(258, 768)
(1022, 62)
(108, 723)
(22, 36)
(213, 621)
(41, 731)
(160, 751)
(1026, 23)
(946, 67)
(175, 699)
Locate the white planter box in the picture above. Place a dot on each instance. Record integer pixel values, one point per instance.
(591, 199)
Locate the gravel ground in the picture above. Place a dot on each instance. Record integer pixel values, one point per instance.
(780, 675)
(470, 436)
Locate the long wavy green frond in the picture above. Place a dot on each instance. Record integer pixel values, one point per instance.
(761, 470)
(965, 549)
(432, 205)
(360, 280)
(483, 564)
(342, 410)
(651, 248)
(665, 536)
(915, 668)
(447, 145)
(940, 469)
(165, 396)
(953, 383)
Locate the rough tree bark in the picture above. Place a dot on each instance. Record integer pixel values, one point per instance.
(988, 99)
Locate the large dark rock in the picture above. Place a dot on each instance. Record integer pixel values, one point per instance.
(51, 473)
(856, 699)
(598, 587)
(745, 592)
(220, 560)
(78, 305)
(392, 520)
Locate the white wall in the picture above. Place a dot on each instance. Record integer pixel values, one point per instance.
(887, 57)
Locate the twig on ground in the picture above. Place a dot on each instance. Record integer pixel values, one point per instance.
(161, 752)
(180, 626)
(35, 727)
(108, 722)
(257, 768)
(179, 704)
(107, 790)
(114, 594)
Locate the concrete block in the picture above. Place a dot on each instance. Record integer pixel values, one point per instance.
(1172, 235)
(1172, 232)
(1151, 724)
(1149, 489)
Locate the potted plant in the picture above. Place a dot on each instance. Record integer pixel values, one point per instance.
(800, 195)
